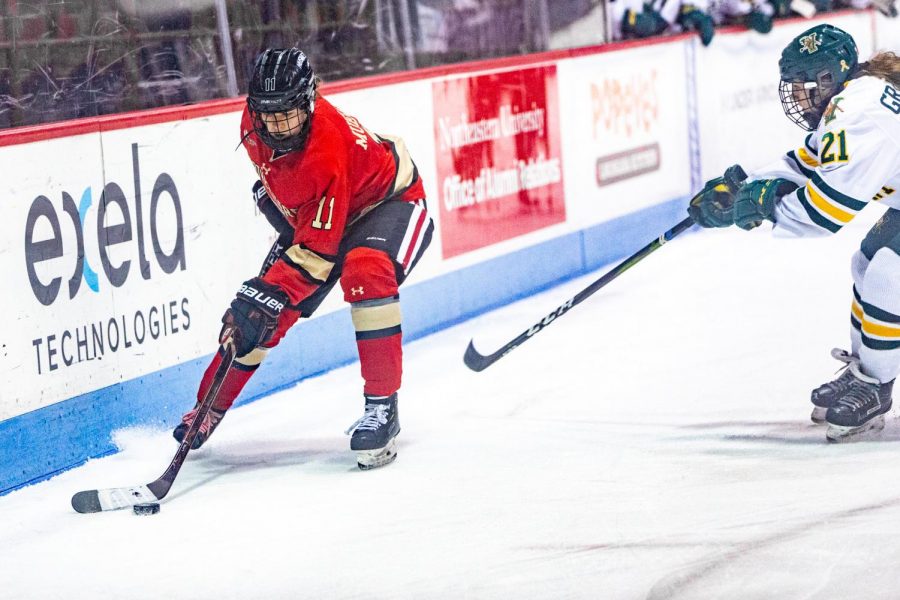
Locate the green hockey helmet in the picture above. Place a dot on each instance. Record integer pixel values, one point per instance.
(814, 67)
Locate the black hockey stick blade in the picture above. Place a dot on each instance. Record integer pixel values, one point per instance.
(87, 501)
(91, 501)
(479, 362)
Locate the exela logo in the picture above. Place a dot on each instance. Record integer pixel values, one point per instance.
(130, 229)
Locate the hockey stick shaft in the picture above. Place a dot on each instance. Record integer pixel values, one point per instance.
(161, 486)
(90, 501)
(478, 362)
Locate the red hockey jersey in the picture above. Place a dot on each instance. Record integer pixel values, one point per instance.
(341, 173)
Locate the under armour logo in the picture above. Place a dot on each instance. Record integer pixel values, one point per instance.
(265, 169)
(810, 43)
(844, 66)
(357, 291)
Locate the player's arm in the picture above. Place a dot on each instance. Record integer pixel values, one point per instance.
(796, 165)
(267, 207)
(856, 159)
(713, 206)
(296, 274)
(307, 263)
(855, 163)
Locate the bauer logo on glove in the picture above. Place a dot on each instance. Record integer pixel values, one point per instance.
(262, 298)
(253, 315)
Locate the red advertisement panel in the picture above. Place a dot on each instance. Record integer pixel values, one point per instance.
(499, 157)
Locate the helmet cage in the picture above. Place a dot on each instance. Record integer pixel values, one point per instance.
(295, 138)
(804, 102)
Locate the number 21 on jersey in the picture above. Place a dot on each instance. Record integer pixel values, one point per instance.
(839, 154)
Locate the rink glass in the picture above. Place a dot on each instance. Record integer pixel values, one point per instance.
(65, 59)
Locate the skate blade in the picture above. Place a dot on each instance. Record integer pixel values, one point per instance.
(367, 460)
(839, 434)
(818, 415)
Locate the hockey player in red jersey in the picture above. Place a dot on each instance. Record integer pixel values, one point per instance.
(349, 207)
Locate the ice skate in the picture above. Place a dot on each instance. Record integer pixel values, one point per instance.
(824, 396)
(374, 435)
(860, 408)
(209, 424)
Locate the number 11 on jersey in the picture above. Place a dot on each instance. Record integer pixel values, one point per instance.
(317, 222)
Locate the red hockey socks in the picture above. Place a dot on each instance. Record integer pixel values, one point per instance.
(369, 282)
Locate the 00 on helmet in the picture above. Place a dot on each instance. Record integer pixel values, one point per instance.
(814, 67)
(282, 81)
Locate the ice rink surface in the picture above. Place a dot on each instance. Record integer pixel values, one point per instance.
(653, 443)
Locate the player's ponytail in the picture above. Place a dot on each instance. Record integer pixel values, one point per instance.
(884, 65)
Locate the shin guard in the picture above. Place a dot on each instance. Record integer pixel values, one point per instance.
(243, 368)
(880, 304)
(369, 282)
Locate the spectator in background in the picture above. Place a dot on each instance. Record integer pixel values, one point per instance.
(753, 14)
(639, 19)
(886, 7)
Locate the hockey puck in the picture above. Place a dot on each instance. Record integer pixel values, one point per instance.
(150, 508)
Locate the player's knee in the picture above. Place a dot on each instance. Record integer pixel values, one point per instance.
(883, 270)
(368, 274)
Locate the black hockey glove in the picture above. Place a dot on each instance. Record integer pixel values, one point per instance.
(713, 206)
(756, 201)
(253, 315)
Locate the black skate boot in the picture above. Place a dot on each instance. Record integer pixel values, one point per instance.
(209, 424)
(859, 408)
(374, 435)
(824, 396)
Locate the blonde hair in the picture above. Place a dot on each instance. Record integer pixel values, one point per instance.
(884, 65)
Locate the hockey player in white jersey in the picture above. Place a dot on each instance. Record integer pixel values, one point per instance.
(850, 158)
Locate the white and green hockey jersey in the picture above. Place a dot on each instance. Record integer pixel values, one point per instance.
(853, 158)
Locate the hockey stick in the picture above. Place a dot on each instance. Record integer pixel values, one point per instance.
(91, 501)
(733, 178)
(479, 362)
